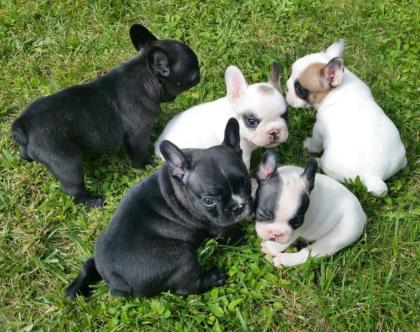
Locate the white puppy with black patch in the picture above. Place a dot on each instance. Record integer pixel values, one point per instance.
(294, 203)
(353, 133)
(260, 109)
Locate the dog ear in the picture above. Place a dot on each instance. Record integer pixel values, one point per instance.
(159, 62)
(232, 138)
(268, 166)
(336, 49)
(140, 36)
(235, 83)
(274, 78)
(334, 72)
(175, 159)
(309, 173)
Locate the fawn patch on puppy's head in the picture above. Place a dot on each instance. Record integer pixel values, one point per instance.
(315, 76)
(260, 108)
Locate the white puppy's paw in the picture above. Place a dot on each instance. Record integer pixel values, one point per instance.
(287, 260)
(310, 146)
(272, 248)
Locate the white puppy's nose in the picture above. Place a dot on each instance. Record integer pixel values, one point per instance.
(274, 135)
(275, 235)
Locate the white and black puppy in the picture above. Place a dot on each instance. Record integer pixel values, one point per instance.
(294, 203)
(353, 133)
(118, 108)
(260, 109)
(150, 245)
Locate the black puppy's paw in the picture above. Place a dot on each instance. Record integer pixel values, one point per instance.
(141, 162)
(214, 277)
(89, 201)
(235, 237)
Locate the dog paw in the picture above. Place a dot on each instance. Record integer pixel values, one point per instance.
(287, 260)
(90, 201)
(215, 277)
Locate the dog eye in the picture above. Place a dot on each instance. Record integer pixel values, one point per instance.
(301, 91)
(251, 121)
(208, 202)
(297, 221)
(178, 83)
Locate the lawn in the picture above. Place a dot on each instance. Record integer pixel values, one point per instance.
(45, 237)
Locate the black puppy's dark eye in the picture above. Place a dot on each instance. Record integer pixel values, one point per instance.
(178, 83)
(301, 91)
(208, 202)
(297, 221)
(251, 121)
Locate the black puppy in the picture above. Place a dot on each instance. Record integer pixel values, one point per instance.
(150, 244)
(116, 108)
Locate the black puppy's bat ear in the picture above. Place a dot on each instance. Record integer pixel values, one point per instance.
(159, 62)
(140, 36)
(232, 138)
(268, 166)
(309, 173)
(175, 159)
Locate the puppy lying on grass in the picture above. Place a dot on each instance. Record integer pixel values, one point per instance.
(292, 203)
(150, 245)
(117, 108)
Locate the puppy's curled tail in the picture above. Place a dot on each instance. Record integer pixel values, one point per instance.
(19, 133)
(88, 276)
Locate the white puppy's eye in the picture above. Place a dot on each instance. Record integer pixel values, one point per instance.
(251, 121)
(208, 201)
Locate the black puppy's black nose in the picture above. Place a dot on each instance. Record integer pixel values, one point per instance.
(264, 215)
(237, 210)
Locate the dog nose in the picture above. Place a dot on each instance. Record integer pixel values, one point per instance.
(237, 210)
(263, 215)
(275, 235)
(274, 135)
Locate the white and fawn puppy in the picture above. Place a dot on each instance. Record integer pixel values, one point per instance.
(352, 132)
(260, 109)
(294, 203)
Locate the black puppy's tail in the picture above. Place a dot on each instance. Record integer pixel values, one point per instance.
(19, 133)
(88, 276)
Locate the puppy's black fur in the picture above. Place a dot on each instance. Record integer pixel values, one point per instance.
(150, 244)
(117, 108)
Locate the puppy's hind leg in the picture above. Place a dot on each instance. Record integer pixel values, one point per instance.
(65, 163)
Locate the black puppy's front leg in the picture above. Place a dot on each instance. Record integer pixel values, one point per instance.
(137, 145)
(203, 282)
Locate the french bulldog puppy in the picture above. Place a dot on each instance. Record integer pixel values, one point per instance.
(352, 132)
(292, 203)
(260, 109)
(150, 244)
(117, 108)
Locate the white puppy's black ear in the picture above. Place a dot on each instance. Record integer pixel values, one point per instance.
(309, 173)
(140, 36)
(176, 160)
(232, 138)
(334, 72)
(159, 62)
(274, 78)
(336, 49)
(235, 83)
(268, 166)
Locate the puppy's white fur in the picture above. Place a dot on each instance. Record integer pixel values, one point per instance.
(355, 135)
(334, 219)
(203, 126)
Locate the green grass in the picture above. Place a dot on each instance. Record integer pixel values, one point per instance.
(45, 237)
